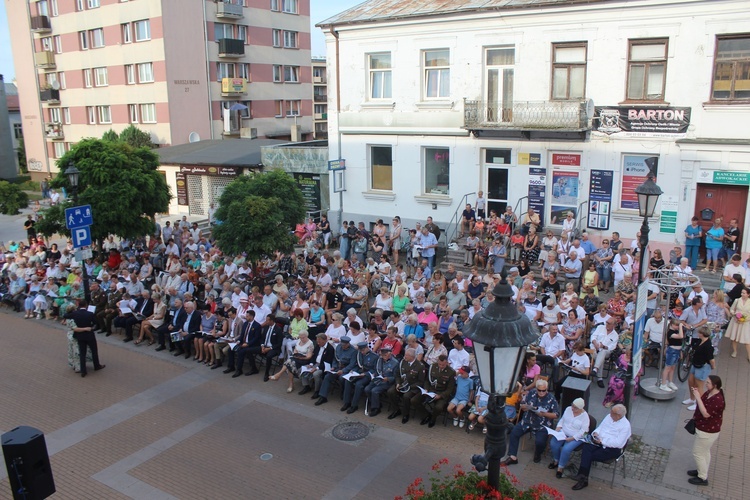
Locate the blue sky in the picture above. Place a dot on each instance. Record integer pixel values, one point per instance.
(319, 11)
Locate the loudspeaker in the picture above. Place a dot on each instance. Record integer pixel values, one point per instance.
(574, 388)
(26, 459)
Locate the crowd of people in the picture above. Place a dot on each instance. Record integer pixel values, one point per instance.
(368, 313)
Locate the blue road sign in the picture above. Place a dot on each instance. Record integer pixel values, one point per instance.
(81, 236)
(76, 217)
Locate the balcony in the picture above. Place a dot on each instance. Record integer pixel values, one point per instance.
(40, 24)
(319, 79)
(50, 96)
(45, 60)
(229, 47)
(318, 116)
(320, 98)
(540, 118)
(229, 11)
(54, 131)
(233, 87)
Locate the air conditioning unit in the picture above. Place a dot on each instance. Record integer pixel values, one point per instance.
(249, 133)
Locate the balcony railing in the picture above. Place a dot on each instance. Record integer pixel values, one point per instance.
(54, 131)
(320, 98)
(45, 59)
(40, 24)
(50, 96)
(229, 47)
(229, 11)
(232, 87)
(526, 115)
(319, 79)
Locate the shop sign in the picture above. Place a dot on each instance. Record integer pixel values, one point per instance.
(207, 170)
(724, 177)
(182, 190)
(600, 199)
(537, 190)
(642, 121)
(534, 159)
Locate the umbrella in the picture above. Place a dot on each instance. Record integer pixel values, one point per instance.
(237, 107)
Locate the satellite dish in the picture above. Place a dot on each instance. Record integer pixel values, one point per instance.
(590, 108)
(55, 85)
(194, 137)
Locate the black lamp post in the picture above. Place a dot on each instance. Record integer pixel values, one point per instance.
(648, 195)
(500, 335)
(73, 175)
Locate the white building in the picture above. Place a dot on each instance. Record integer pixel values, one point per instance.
(558, 105)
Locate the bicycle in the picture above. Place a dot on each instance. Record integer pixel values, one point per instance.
(686, 359)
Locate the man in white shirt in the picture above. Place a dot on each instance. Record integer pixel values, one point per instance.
(578, 249)
(262, 311)
(697, 291)
(651, 299)
(396, 322)
(603, 341)
(551, 313)
(608, 441)
(734, 266)
(575, 303)
(237, 296)
(551, 349)
(572, 269)
(654, 330)
(458, 356)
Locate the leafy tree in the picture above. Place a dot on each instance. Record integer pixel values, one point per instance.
(21, 154)
(122, 185)
(137, 138)
(12, 198)
(257, 213)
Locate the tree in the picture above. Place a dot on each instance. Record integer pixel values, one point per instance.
(257, 214)
(12, 198)
(110, 135)
(122, 185)
(21, 154)
(137, 138)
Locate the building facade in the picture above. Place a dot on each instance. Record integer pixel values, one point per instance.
(181, 71)
(559, 106)
(320, 98)
(10, 130)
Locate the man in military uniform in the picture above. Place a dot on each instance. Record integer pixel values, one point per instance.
(344, 361)
(383, 379)
(110, 311)
(410, 376)
(84, 334)
(98, 300)
(366, 363)
(441, 380)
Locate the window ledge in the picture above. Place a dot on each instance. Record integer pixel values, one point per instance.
(437, 199)
(644, 103)
(379, 195)
(435, 104)
(378, 105)
(726, 106)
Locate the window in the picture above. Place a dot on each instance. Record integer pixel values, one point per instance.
(146, 72)
(46, 44)
(279, 107)
(105, 114)
(53, 8)
(133, 113)
(647, 68)
(58, 44)
(248, 111)
(292, 108)
(380, 75)
(87, 78)
(142, 30)
(18, 130)
(54, 115)
(732, 69)
(148, 113)
(243, 70)
(66, 116)
(127, 33)
(276, 38)
(41, 8)
(277, 69)
(290, 39)
(222, 30)
(79, 5)
(100, 77)
(499, 78)
(91, 112)
(381, 168)
(224, 70)
(275, 5)
(130, 74)
(61, 79)
(93, 4)
(291, 74)
(289, 6)
(569, 70)
(59, 148)
(97, 38)
(51, 79)
(242, 34)
(83, 40)
(436, 171)
(437, 74)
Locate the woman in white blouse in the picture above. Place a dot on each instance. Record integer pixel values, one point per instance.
(574, 424)
(383, 300)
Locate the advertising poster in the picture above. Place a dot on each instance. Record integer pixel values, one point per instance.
(309, 184)
(635, 170)
(564, 195)
(600, 199)
(668, 219)
(642, 121)
(182, 191)
(537, 190)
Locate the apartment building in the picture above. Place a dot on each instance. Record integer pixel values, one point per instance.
(558, 105)
(320, 98)
(181, 70)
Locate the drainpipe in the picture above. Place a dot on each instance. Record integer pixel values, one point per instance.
(338, 116)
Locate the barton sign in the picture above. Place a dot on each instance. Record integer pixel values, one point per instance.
(642, 121)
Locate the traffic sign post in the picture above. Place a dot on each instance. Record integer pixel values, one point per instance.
(81, 236)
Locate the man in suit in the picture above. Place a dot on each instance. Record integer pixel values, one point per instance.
(171, 326)
(270, 347)
(84, 333)
(344, 361)
(188, 328)
(143, 309)
(410, 377)
(250, 337)
(323, 354)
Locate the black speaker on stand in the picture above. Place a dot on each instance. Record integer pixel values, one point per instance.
(27, 461)
(574, 388)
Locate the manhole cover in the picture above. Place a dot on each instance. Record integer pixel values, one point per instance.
(350, 431)
(266, 456)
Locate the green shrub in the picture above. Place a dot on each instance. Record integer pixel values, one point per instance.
(12, 198)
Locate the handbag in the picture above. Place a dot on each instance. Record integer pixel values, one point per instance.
(690, 425)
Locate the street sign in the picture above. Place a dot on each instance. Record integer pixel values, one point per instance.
(76, 217)
(83, 254)
(339, 164)
(639, 326)
(81, 237)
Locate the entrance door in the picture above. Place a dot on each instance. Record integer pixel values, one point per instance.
(727, 202)
(496, 162)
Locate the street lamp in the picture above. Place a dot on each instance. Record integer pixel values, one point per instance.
(500, 335)
(73, 175)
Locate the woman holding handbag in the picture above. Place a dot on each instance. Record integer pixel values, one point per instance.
(708, 419)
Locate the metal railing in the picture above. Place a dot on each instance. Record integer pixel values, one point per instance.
(580, 218)
(49, 95)
(40, 24)
(229, 10)
(455, 222)
(533, 115)
(517, 208)
(230, 47)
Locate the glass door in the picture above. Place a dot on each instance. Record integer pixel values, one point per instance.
(496, 162)
(499, 81)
